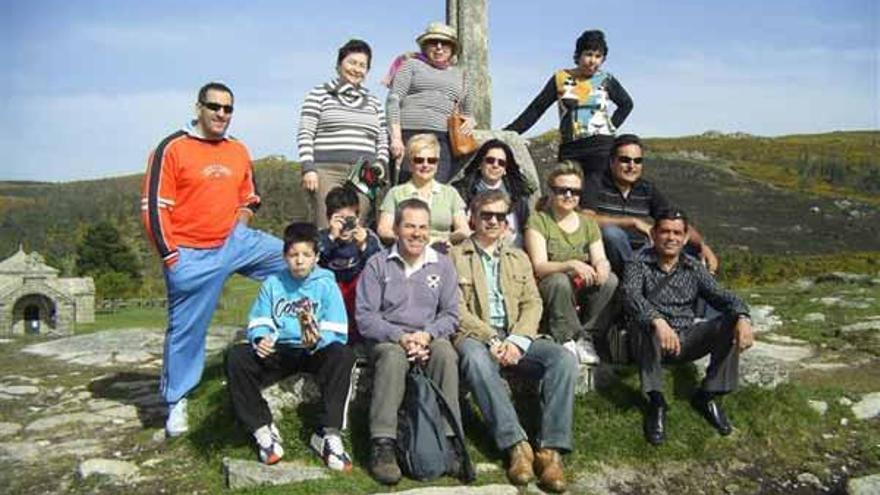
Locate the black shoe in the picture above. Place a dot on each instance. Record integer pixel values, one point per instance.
(655, 423)
(383, 461)
(713, 413)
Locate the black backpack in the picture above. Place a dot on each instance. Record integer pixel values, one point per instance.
(421, 442)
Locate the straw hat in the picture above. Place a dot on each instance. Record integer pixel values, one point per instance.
(438, 31)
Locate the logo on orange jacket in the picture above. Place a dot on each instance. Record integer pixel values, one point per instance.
(216, 171)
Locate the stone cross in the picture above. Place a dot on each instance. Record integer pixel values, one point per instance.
(470, 20)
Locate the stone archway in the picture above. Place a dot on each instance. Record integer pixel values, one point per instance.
(34, 314)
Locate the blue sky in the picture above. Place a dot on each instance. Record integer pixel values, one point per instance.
(89, 87)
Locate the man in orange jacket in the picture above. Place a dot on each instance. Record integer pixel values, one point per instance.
(198, 196)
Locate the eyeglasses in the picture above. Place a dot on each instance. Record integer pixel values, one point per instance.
(435, 43)
(497, 215)
(216, 107)
(630, 159)
(430, 160)
(491, 160)
(566, 191)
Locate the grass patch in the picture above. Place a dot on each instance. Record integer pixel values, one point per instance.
(839, 304)
(232, 309)
(776, 431)
(741, 269)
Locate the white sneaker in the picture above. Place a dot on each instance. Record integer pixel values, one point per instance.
(269, 444)
(586, 353)
(571, 347)
(330, 449)
(177, 423)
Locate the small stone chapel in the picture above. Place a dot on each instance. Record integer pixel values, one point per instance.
(35, 300)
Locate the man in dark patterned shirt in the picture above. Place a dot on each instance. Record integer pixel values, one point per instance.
(660, 288)
(625, 206)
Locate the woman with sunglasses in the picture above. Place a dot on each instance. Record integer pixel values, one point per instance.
(341, 124)
(574, 276)
(586, 126)
(449, 223)
(494, 167)
(424, 88)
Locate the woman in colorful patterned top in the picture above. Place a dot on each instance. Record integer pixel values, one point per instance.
(341, 123)
(586, 130)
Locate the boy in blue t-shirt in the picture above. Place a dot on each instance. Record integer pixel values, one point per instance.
(297, 324)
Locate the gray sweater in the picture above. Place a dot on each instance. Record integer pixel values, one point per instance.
(422, 97)
(389, 304)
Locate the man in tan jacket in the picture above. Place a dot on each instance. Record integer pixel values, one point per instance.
(500, 311)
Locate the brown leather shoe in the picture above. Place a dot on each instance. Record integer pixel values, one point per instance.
(520, 471)
(548, 464)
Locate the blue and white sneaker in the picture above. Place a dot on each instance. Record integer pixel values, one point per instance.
(269, 444)
(328, 445)
(177, 423)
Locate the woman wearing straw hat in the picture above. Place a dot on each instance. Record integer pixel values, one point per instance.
(425, 87)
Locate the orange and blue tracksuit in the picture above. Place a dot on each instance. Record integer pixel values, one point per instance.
(193, 193)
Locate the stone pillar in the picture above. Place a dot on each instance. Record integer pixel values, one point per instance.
(470, 18)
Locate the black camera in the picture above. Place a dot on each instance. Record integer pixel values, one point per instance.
(349, 224)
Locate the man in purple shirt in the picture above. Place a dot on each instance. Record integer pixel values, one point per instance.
(407, 306)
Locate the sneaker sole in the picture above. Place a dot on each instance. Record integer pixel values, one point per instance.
(315, 445)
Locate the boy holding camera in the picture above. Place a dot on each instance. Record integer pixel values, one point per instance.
(345, 246)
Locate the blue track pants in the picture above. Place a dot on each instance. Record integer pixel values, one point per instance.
(194, 285)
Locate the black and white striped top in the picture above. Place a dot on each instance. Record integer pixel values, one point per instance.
(422, 97)
(341, 123)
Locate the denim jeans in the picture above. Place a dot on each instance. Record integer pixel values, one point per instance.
(546, 361)
(618, 244)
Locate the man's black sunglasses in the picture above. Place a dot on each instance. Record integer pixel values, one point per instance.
(498, 216)
(216, 107)
(630, 159)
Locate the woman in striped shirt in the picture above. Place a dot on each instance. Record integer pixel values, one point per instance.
(340, 124)
(425, 87)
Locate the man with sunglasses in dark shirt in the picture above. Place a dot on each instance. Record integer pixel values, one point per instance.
(625, 206)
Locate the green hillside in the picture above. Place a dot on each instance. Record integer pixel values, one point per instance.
(52, 217)
(813, 171)
(835, 164)
(832, 164)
